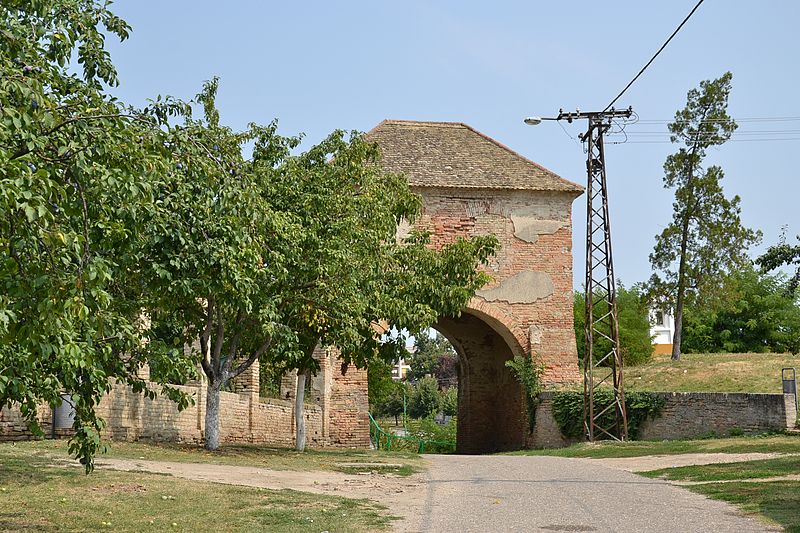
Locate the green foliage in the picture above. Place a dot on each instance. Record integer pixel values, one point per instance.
(568, 410)
(706, 239)
(449, 401)
(380, 383)
(77, 174)
(529, 374)
(762, 316)
(434, 356)
(423, 398)
(394, 402)
(783, 254)
(114, 219)
(634, 326)
(439, 438)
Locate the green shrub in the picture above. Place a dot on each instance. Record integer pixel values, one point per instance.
(423, 398)
(449, 401)
(439, 437)
(568, 410)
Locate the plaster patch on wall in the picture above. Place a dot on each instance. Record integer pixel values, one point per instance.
(528, 228)
(535, 334)
(523, 288)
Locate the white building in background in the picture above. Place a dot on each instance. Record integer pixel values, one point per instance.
(662, 328)
(400, 369)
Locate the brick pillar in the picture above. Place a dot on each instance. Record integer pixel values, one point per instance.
(289, 385)
(348, 412)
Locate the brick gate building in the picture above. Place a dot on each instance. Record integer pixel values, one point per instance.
(473, 185)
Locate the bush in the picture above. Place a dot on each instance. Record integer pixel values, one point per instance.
(423, 398)
(439, 437)
(568, 410)
(761, 315)
(449, 401)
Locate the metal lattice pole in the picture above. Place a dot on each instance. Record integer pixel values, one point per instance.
(602, 326)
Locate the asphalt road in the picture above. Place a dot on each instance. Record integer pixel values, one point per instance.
(519, 493)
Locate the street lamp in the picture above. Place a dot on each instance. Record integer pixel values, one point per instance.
(602, 321)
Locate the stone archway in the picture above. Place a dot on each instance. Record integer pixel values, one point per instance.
(491, 406)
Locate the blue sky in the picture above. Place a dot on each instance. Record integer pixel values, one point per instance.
(318, 66)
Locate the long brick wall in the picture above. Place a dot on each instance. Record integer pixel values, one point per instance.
(336, 413)
(688, 415)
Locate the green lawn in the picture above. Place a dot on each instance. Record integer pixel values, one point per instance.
(726, 372)
(244, 454)
(778, 501)
(780, 443)
(35, 495)
(779, 466)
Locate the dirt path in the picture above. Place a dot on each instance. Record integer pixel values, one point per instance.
(403, 495)
(655, 462)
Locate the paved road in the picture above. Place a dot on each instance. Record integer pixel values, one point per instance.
(518, 493)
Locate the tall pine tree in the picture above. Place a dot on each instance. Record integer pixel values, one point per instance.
(706, 239)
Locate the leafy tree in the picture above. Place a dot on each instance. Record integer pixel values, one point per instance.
(355, 281)
(77, 173)
(394, 403)
(762, 316)
(380, 383)
(218, 252)
(636, 343)
(434, 356)
(423, 399)
(270, 257)
(782, 254)
(706, 239)
(449, 401)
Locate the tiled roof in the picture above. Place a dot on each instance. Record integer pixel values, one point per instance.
(452, 154)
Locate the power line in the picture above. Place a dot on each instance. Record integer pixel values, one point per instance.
(729, 140)
(746, 119)
(655, 56)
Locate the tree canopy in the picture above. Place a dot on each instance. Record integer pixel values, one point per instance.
(76, 183)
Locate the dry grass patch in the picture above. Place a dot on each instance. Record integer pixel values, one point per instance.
(38, 497)
(727, 372)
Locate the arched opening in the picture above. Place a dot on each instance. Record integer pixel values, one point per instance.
(491, 406)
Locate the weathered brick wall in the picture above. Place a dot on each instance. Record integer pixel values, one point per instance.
(692, 414)
(687, 415)
(531, 295)
(335, 411)
(243, 418)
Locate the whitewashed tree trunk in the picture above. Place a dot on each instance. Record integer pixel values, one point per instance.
(212, 417)
(299, 415)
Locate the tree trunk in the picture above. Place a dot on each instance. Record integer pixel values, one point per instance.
(212, 416)
(299, 414)
(678, 335)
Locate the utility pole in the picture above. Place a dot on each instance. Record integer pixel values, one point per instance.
(601, 294)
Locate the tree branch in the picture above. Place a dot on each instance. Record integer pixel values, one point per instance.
(250, 360)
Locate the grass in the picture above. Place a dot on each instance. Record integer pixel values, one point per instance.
(246, 455)
(779, 466)
(779, 501)
(36, 495)
(724, 372)
(778, 443)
